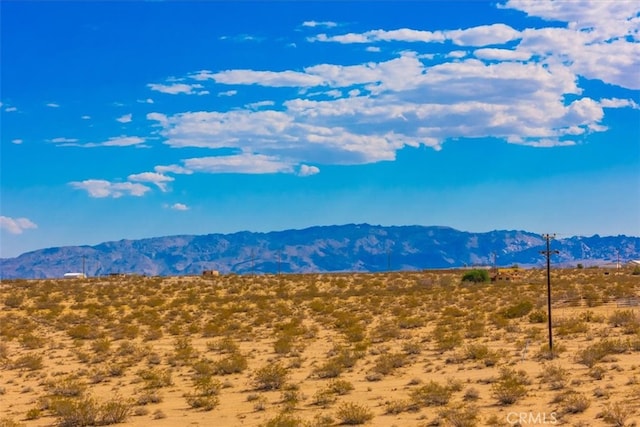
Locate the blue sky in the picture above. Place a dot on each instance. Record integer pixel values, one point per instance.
(142, 119)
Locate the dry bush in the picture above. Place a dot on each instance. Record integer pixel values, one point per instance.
(270, 377)
(554, 375)
(431, 394)
(351, 413)
(510, 386)
(460, 415)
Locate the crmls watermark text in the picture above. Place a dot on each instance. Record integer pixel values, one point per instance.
(532, 418)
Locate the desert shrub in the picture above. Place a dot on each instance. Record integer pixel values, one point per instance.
(67, 387)
(340, 387)
(510, 386)
(114, 411)
(205, 402)
(446, 338)
(460, 415)
(9, 422)
(471, 394)
(75, 412)
(385, 331)
(283, 420)
(574, 402)
(324, 397)
(331, 368)
(554, 375)
(83, 331)
(481, 352)
(431, 394)
(476, 276)
(147, 397)
(517, 310)
(388, 362)
(31, 341)
(155, 378)
(351, 413)
(592, 354)
(627, 320)
(570, 325)
(270, 377)
(30, 362)
(616, 414)
(231, 364)
(538, 316)
(393, 407)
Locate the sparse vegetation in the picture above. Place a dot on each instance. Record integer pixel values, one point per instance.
(315, 350)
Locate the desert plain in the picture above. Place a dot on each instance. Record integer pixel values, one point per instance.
(423, 348)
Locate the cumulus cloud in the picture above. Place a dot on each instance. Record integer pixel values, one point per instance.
(53, 105)
(176, 169)
(177, 88)
(522, 86)
(125, 118)
(120, 141)
(306, 170)
(17, 141)
(10, 109)
(64, 140)
(156, 178)
(16, 225)
(179, 207)
(99, 188)
(246, 163)
(314, 24)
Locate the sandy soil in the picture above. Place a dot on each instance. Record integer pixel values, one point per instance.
(73, 340)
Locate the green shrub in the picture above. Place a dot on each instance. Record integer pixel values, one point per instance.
(460, 415)
(476, 276)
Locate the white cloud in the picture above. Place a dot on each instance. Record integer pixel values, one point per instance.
(177, 88)
(306, 170)
(16, 225)
(120, 141)
(156, 178)
(53, 105)
(228, 93)
(400, 35)
(314, 24)
(267, 78)
(145, 101)
(246, 163)
(260, 104)
(177, 169)
(17, 141)
(64, 140)
(501, 54)
(374, 49)
(99, 188)
(10, 109)
(483, 35)
(180, 207)
(85, 117)
(125, 118)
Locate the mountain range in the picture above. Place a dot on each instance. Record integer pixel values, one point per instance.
(339, 248)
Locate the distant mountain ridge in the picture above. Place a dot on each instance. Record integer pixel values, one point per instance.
(351, 247)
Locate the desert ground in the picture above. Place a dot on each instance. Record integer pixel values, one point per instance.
(394, 349)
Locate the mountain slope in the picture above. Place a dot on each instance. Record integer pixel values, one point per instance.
(353, 247)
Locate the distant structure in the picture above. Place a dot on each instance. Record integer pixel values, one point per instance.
(211, 273)
(504, 274)
(75, 276)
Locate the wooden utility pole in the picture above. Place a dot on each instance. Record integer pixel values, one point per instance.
(547, 253)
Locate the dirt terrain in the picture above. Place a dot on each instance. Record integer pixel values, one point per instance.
(396, 349)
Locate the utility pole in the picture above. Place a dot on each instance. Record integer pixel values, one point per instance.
(547, 253)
